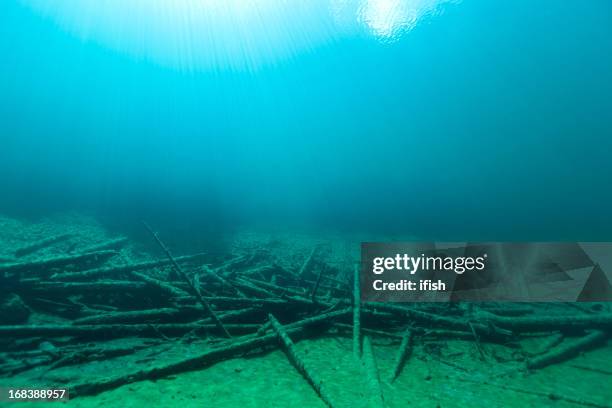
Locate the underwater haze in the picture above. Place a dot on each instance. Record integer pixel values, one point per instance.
(439, 119)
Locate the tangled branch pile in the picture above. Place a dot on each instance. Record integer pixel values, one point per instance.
(236, 304)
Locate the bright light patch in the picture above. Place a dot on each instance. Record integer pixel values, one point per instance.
(229, 34)
(389, 19)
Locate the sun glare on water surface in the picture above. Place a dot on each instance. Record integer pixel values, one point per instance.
(231, 34)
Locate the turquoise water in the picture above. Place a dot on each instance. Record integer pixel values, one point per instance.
(263, 141)
(476, 120)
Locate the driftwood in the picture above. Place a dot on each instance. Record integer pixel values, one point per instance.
(313, 293)
(307, 265)
(248, 287)
(88, 354)
(123, 269)
(233, 315)
(278, 289)
(503, 310)
(432, 319)
(293, 277)
(15, 367)
(44, 243)
(116, 330)
(136, 316)
(55, 262)
(369, 361)
(477, 341)
(235, 297)
(565, 352)
(223, 281)
(260, 271)
(229, 349)
(230, 264)
(297, 362)
(356, 314)
(332, 290)
(379, 333)
(110, 244)
(164, 287)
(195, 289)
(102, 286)
(426, 333)
(547, 323)
(239, 302)
(403, 353)
(552, 341)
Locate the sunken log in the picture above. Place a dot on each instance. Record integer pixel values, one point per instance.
(123, 269)
(259, 271)
(44, 243)
(403, 353)
(297, 362)
(307, 265)
(238, 302)
(194, 289)
(356, 314)
(601, 321)
(224, 283)
(373, 378)
(56, 262)
(102, 286)
(433, 319)
(278, 289)
(566, 351)
(135, 316)
(233, 315)
(164, 287)
(248, 287)
(110, 244)
(227, 350)
(117, 330)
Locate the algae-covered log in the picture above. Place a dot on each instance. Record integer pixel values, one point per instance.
(44, 243)
(297, 362)
(124, 269)
(315, 287)
(566, 351)
(249, 288)
(233, 315)
(224, 283)
(164, 287)
(88, 354)
(102, 286)
(342, 327)
(377, 398)
(261, 271)
(110, 244)
(280, 290)
(307, 265)
(403, 352)
(79, 261)
(238, 302)
(226, 350)
(134, 316)
(436, 320)
(195, 290)
(547, 323)
(117, 330)
(356, 314)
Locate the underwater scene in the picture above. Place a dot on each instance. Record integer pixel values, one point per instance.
(188, 187)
